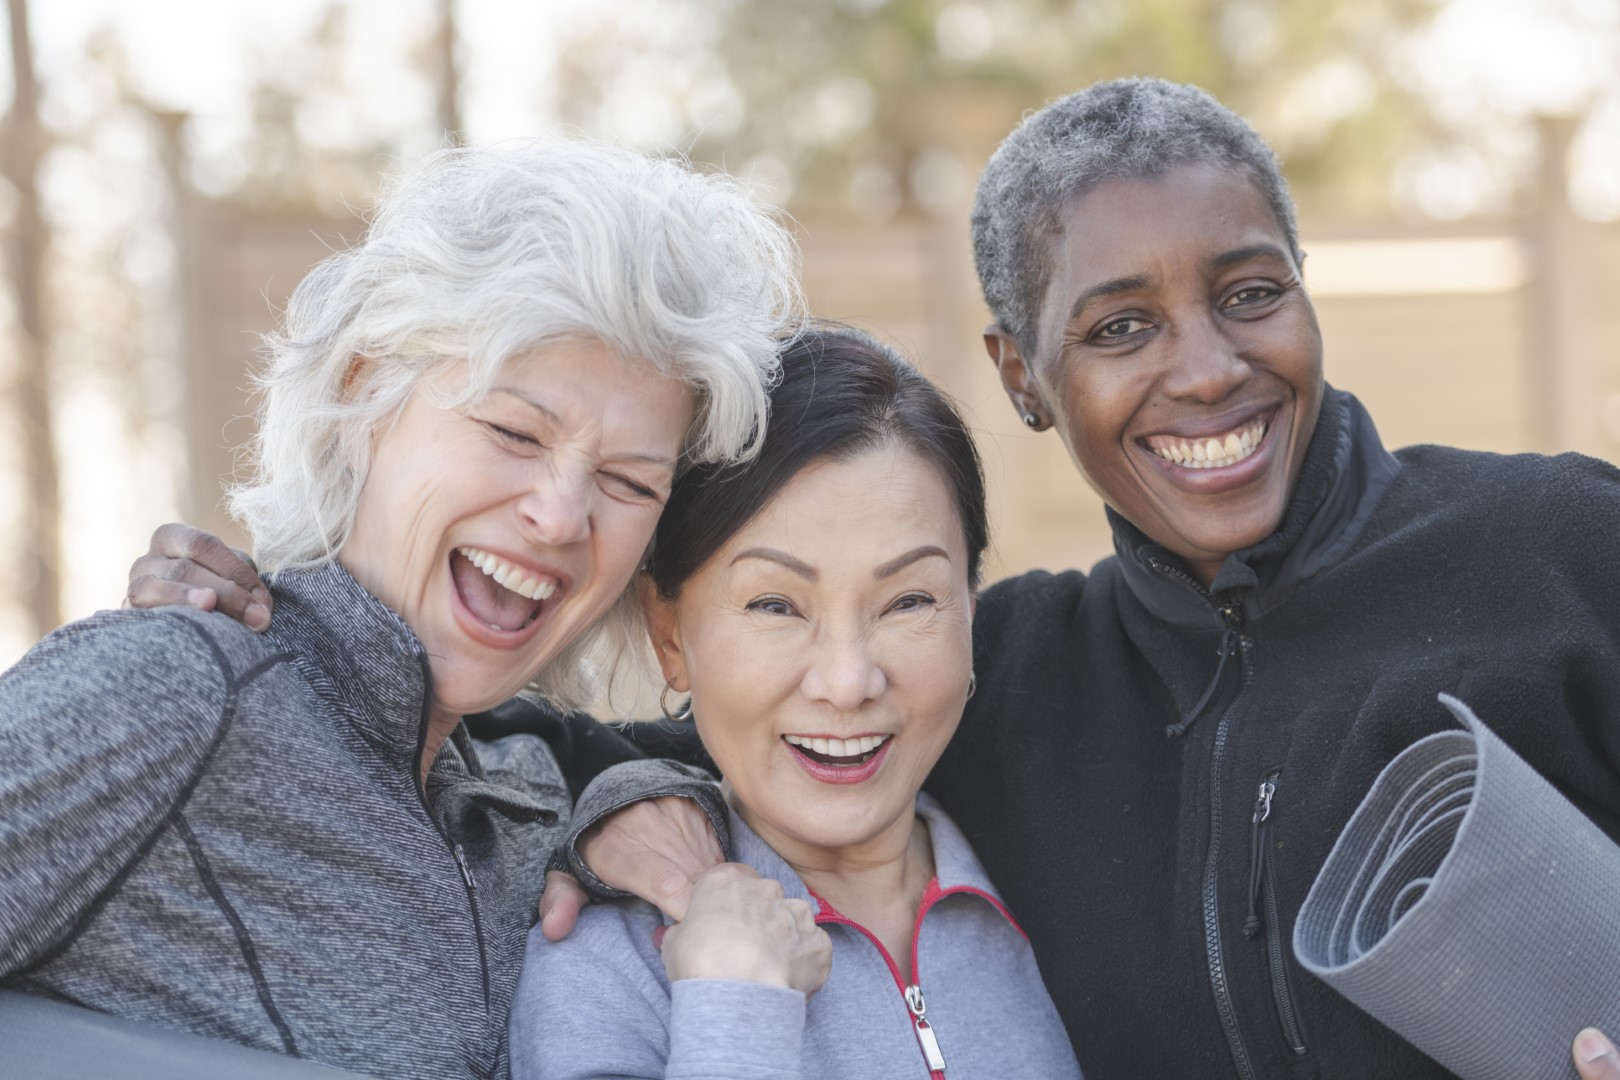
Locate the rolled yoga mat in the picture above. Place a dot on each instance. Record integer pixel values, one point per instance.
(1472, 909)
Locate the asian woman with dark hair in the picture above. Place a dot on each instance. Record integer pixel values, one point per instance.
(817, 605)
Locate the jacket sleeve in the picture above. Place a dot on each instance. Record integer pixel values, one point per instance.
(593, 1006)
(632, 782)
(104, 727)
(585, 746)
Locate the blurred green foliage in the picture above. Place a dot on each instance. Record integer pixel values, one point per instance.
(891, 105)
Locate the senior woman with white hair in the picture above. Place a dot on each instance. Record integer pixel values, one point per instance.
(472, 420)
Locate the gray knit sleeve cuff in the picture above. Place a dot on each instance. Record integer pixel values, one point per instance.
(631, 782)
(1472, 909)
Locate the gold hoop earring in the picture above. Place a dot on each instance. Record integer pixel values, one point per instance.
(683, 713)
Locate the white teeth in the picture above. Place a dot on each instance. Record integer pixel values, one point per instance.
(850, 748)
(508, 576)
(1214, 452)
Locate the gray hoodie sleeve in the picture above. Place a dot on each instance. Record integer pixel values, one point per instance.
(631, 782)
(597, 1005)
(104, 726)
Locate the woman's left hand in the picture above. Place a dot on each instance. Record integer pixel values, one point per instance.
(740, 926)
(1595, 1056)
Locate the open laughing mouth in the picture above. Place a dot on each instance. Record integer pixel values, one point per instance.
(839, 761)
(499, 595)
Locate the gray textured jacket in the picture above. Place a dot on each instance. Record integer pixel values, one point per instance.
(598, 1004)
(223, 831)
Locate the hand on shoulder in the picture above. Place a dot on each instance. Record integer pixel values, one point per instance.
(739, 926)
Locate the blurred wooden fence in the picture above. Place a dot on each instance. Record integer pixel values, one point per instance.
(1498, 336)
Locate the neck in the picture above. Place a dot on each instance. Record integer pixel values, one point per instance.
(863, 880)
(440, 725)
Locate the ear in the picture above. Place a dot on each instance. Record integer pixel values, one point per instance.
(1016, 377)
(665, 633)
(354, 376)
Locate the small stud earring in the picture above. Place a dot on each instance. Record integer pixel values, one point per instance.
(1031, 421)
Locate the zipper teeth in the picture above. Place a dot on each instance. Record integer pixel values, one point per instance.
(444, 834)
(1279, 973)
(1212, 929)
(930, 897)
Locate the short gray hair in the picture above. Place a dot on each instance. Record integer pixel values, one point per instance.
(479, 255)
(1117, 129)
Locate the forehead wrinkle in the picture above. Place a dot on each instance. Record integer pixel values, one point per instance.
(523, 396)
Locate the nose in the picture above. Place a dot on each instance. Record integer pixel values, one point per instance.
(843, 672)
(556, 508)
(1204, 364)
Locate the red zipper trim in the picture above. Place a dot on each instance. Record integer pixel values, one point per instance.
(932, 895)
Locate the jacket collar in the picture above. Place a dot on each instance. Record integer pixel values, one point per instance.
(360, 657)
(955, 865)
(1345, 474)
(367, 665)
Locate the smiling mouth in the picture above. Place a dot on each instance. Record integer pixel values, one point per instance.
(1213, 451)
(837, 752)
(503, 596)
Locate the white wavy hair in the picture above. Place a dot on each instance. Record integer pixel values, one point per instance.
(477, 256)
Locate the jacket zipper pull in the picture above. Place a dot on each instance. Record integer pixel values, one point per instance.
(1257, 855)
(466, 871)
(925, 1031)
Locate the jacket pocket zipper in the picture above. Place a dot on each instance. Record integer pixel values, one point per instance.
(1263, 913)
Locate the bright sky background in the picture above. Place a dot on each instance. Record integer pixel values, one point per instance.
(188, 53)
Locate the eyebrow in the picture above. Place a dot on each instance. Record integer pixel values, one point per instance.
(1112, 287)
(810, 573)
(1244, 254)
(803, 569)
(645, 456)
(894, 566)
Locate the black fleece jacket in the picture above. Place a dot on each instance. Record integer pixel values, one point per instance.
(1116, 814)
(1128, 850)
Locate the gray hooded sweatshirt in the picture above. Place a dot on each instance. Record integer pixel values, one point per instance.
(599, 1004)
(225, 832)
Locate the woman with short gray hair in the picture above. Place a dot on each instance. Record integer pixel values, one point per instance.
(471, 422)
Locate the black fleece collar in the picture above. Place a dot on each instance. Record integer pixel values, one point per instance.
(1345, 473)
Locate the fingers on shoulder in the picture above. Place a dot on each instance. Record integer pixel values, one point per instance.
(1595, 1056)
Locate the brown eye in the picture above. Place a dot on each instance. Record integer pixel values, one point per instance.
(1252, 294)
(1121, 328)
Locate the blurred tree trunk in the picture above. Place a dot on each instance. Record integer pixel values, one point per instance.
(31, 398)
(447, 77)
